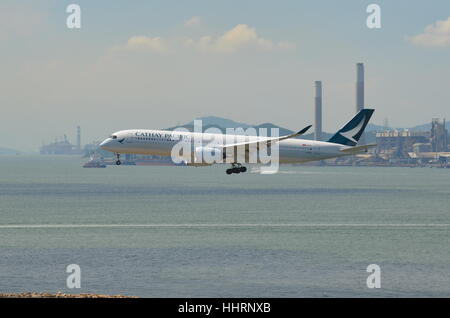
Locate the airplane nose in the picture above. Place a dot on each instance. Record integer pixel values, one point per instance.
(105, 143)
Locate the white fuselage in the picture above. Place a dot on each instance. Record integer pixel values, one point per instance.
(161, 143)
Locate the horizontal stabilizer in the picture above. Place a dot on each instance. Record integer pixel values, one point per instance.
(358, 148)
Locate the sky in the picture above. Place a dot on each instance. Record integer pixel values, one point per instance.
(155, 64)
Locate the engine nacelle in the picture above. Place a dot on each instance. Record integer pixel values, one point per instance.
(207, 155)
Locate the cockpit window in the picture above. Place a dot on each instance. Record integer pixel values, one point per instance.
(114, 137)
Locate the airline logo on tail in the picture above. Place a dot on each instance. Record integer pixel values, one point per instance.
(350, 134)
(353, 132)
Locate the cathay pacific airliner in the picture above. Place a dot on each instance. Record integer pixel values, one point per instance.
(227, 149)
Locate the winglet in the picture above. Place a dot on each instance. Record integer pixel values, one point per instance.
(304, 130)
(301, 132)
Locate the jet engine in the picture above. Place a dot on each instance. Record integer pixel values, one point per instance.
(208, 155)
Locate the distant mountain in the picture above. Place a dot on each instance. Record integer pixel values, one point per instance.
(223, 123)
(427, 127)
(283, 132)
(377, 128)
(269, 126)
(424, 127)
(8, 151)
(219, 122)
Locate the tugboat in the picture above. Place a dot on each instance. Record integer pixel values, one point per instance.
(94, 163)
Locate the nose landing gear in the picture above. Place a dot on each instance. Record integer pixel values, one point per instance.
(118, 162)
(236, 168)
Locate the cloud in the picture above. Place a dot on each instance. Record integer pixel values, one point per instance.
(139, 42)
(193, 22)
(434, 35)
(240, 37)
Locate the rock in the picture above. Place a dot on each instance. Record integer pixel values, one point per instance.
(59, 295)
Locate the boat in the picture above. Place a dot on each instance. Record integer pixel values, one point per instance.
(94, 163)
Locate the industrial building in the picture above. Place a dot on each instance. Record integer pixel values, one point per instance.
(63, 147)
(399, 143)
(439, 136)
(415, 147)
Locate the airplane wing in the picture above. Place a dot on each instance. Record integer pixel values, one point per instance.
(357, 148)
(267, 141)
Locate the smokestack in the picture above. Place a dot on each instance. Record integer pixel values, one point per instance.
(360, 93)
(78, 138)
(318, 111)
(359, 87)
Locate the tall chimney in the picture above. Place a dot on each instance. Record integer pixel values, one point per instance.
(359, 87)
(78, 138)
(360, 93)
(318, 111)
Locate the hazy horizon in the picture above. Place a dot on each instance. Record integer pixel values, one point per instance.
(150, 64)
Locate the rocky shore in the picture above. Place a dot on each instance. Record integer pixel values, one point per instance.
(59, 295)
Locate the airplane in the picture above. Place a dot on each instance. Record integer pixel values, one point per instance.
(290, 149)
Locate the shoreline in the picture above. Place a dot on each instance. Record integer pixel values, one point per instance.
(59, 295)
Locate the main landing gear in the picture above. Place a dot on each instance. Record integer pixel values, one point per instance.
(236, 168)
(118, 162)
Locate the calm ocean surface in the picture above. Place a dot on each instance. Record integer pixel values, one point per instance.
(197, 232)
